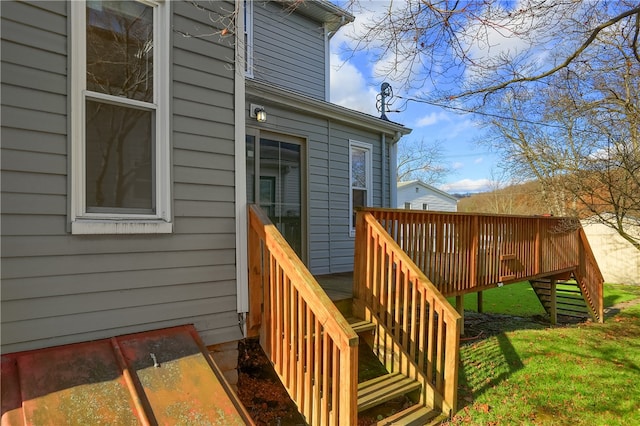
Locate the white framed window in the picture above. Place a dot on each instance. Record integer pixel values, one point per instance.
(120, 167)
(407, 206)
(361, 179)
(425, 206)
(248, 38)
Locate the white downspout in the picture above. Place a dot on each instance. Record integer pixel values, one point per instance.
(242, 267)
(383, 140)
(327, 64)
(393, 173)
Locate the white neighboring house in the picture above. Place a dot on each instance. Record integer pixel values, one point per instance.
(618, 260)
(417, 195)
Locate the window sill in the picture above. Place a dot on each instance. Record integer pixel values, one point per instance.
(122, 226)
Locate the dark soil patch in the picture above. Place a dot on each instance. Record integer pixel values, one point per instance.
(260, 390)
(268, 403)
(479, 326)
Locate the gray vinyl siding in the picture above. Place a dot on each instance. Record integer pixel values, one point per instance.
(288, 49)
(330, 246)
(59, 288)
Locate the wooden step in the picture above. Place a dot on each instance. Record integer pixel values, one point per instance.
(384, 388)
(569, 299)
(345, 306)
(416, 415)
(359, 325)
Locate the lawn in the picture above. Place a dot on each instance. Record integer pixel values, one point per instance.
(584, 374)
(520, 299)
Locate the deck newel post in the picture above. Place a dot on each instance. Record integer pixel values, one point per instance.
(359, 264)
(460, 309)
(480, 303)
(553, 311)
(537, 257)
(254, 320)
(474, 252)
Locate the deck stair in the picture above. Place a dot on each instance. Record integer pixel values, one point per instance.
(569, 299)
(377, 391)
(387, 387)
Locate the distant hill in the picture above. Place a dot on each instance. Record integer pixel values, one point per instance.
(522, 199)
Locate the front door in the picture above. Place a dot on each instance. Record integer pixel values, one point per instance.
(275, 182)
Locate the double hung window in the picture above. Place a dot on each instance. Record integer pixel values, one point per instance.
(360, 172)
(120, 131)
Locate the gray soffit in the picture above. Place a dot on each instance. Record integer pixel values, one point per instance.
(321, 11)
(274, 95)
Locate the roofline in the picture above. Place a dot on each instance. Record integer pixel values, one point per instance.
(427, 186)
(276, 95)
(334, 16)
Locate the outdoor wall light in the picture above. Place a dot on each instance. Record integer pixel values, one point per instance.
(258, 112)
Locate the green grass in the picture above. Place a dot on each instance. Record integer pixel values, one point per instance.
(585, 374)
(520, 299)
(513, 299)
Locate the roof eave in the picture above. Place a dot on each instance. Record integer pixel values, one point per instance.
(426, 186)
(324, 11)
(278, 96)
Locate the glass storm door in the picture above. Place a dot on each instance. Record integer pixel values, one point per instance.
(274, 182)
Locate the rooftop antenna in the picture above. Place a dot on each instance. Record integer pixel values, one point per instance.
(382, 100)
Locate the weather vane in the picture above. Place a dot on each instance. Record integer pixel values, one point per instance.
(383, 100)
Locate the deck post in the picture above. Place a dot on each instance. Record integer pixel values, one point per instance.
(553, 307)
(460, 309)
(254, 318)
(480, 302)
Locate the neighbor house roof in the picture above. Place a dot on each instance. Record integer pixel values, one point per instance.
(411, 183)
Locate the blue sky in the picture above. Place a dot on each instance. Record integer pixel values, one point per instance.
(354, 85)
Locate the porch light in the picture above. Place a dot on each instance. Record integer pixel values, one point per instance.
(261, 115)
(258, 112)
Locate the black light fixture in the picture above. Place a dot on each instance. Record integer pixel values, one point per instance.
(258, 112)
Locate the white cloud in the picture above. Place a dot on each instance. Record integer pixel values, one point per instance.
(460, 127)
(349, 87)
(387, 68)
(478, 160)
(509, 32)
(433, 118)
(457, 165)
(468, 185)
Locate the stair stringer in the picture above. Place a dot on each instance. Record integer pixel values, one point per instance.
(589, 301)
(540, 286)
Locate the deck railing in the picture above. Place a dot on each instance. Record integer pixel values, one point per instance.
(417, 329)
(465, 253)
(589, 278)
(312, 347)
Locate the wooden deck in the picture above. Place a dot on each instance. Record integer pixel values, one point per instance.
(466, 253)
(405, 265)
(337, 286)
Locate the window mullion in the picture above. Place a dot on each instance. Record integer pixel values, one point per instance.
(119, 100)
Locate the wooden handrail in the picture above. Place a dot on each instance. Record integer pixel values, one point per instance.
(417, 329)
(464, 252)
(590, 279)
(313, 349)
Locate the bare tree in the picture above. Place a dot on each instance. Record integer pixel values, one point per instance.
(580, 137)
(421, 160)
(459, 49)
(556, 82)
